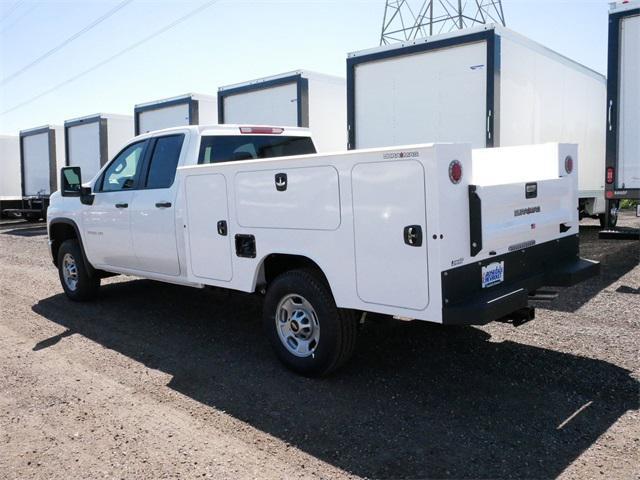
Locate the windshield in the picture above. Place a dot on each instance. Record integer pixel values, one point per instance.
(220, 148)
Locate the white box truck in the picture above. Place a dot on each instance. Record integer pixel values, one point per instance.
(438, 233)
(623, 103)
(489, 86)
(189, 109)
(41, 158)
(92, 140)
(10, 184)
(294, 99)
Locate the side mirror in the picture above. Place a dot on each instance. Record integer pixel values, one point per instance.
(70, 181)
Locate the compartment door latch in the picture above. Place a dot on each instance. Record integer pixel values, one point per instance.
(413, 235)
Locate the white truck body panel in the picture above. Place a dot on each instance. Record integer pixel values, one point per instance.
(488, 86)
(629, 118)
(85, 146)
(296, 99)
(42, 158)
(10, 168)
(544, 99)
(190, 109)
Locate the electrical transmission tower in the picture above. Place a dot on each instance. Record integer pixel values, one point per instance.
(409, 19)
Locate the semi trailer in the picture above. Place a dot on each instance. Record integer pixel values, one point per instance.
(431, 232)
(487, 85)
(189, 109)
(90, 141)
(296, 99)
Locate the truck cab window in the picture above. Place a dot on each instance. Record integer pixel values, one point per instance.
(220, 148)
(164, 161)
(123, 172)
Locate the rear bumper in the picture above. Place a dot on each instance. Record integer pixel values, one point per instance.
(555, 263)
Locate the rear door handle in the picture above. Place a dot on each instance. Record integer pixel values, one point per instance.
(222, 228)
(163, 204)
(122, 205)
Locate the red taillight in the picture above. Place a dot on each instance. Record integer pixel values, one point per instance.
(455, 171)
(568, 164)
(262, 130)
(610, 175)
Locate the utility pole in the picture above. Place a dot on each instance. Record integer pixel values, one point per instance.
(405, 20)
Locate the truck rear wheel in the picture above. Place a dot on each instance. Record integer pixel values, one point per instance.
(76, 281)
(309, 334)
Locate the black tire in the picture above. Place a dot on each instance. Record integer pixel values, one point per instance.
(87, 285)
(613, 220)
(337, 327)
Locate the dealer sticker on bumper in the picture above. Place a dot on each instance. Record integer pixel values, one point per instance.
(492, 274)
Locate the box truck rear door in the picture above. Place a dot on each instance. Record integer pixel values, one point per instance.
(629, 140)
(276, 105)
(83, 142)
(36, 161)
(164, 117)
(390, 233)
(434, 96)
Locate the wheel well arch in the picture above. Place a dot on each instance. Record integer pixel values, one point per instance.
(60, 230)
(275, 264)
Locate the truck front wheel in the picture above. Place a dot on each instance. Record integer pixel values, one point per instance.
(309, 334)
(76, 281)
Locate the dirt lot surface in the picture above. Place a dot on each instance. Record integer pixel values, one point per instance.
(158, 381)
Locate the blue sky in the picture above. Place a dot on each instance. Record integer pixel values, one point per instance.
(229, 42)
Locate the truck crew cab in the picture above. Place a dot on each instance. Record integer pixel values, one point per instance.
(433, 232)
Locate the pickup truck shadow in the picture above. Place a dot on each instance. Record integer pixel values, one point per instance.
(26, 231)
(417, 400)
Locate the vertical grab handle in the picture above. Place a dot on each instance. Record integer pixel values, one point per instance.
(609, 114)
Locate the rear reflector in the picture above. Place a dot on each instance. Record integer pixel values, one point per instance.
(262, 130)
(610, 175)
(455, 171)
(568, 164)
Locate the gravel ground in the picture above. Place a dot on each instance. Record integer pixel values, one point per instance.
(158, 381)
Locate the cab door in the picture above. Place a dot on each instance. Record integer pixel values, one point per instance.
(153, 222)
(106, 222)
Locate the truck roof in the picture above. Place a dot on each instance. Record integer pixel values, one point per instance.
(230, 129)
(621, 6)
(95, 116)
(186, 96)
(303, 73)
(499, 30)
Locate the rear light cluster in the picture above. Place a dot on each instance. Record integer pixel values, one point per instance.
(455, 171)
(262, 130)
(568, 164)
(610, 175)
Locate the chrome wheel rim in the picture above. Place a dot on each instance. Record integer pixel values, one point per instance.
(297, 325)
(70, 271)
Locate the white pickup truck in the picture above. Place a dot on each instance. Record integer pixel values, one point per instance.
(438, 232)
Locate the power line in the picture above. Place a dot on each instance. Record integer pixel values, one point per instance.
(18, 18)
(97, 21)
(11, 10)
(113, 57)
